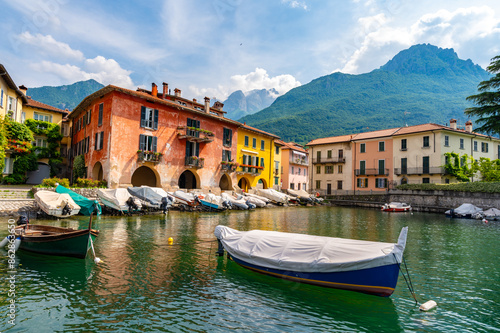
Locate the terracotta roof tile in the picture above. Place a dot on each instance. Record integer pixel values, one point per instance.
(40, 105)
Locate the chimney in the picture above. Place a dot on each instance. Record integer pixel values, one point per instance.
(207, 104)
(468, 126)
(453, 123)
(154, 90)
(23, 89)
(194, 100)
(177, 92)
(165, 89)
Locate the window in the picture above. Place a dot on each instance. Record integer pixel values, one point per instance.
(276, 180)
(403, 144)
(362, 182)
(426, 142)
(362, 167)
(475, 145)
(318, 169)
(329, 154)
(446, 141)
(226, 155)
(328, 189)
(404, 166)
(262, 161)
(292, 186)
(298, 186)
(339, 184)
(1, 102)
(318, 156)
(305, 172)
(40, 142)
(304, 187)
(328, 169)
(89, 113)
(362, 148)
(425, 164)
(149, 119)
(84, 120)
(381, 167)
(461, 143)
(23, 117)
(426, 180)
(254, 143)
(381, 146)
(381, 182)
(227, 137)
(99, 141)
(12, 103)
(340, 168)
(462, 161)
(318, 184)
(293, 170)
(42, 117)
(262, 145)
(147, 142)
(101, 110)
(9, 163)
(341, 153)
(277, 150)
(484, 147)
(246, 141)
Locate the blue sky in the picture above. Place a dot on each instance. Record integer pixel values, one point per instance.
(214, 47)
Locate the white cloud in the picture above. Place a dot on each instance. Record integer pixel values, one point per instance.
(295, 4)
(48, 45)
(461, 29)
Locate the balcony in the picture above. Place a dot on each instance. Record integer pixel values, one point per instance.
(338, 159)
(419, 171)
(372, 172)
(228, 166)
(251, 169)
(149, 156)
(194, 134)
(299, 161)
(195, 162)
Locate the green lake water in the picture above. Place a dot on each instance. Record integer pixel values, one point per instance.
(145, 285)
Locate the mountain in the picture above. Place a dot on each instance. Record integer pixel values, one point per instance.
(239, 104)
(419, 85)
(65, 97)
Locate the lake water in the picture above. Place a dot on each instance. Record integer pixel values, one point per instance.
(145, 285)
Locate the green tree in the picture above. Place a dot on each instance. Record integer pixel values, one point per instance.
(461, 167)
(490, 170)
(488, 101)
(79, 169)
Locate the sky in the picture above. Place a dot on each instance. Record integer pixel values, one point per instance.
(214, 47)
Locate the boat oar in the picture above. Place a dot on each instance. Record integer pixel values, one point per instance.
(96, 259)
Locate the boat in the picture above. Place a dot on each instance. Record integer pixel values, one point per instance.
(357, 265)
(239, 203)
(303, 196)
(87, 206)
(56, 204)
(465, 210)
(255, 200)
(396, 207)
(492, 214)
(56, 241)
(212, 202)
(167, 199)
(185, 198)
(118, 199)
(150, 198)
(261, 198)
(273, 195)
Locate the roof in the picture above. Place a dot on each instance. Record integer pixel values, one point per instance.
(250, 128)
(43, 106)
(332, 139)
(293, 146)
(10, 83)
(144, 94)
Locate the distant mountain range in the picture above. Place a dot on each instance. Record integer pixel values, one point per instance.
(64, 97)
(240, 104)
(419, 85)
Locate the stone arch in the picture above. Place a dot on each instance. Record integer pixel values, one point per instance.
(262, 184)
(97, 173)
(144, 176)
(225, 183)
(244, 184)
(188, 180)
(404, 180)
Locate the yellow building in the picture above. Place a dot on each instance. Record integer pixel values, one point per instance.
(11, 97)
(256, 158)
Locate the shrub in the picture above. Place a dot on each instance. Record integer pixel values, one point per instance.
(14, 179)
(87, 182)
(486, 187)
(51, 182)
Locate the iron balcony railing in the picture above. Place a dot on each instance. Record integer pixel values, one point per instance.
(419, 171)
(372, 172)
(194, 161)
(329, 160)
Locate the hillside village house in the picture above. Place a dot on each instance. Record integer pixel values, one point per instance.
(294, 166)
(11, 97)
(256, 150)
(277, 182)
(133, 138)
(381, 159)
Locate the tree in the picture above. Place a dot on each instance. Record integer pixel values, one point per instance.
(488, 101)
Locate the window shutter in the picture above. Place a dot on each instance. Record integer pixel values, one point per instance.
(155, 123)
(256, 161)
(101, 107)
(142, 142)
(385, 183)
(366, 182)
(153, 148)
(197, 124)
(358, 182)
(95, 142)
(189, 122)
(102, 140)
(197, 149)
(262, 161)
(89, 117)
(143, 116)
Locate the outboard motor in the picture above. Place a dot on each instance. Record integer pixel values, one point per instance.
(66, 210)
(131, 204)
(22, 220)
(227, 204)
(250, 205)
(165, 201)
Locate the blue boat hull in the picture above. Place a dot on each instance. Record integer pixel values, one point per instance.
(380, 281)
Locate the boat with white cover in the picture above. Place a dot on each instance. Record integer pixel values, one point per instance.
(56, 204)
(118, 199)
(273, 195)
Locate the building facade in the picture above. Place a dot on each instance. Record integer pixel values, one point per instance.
(294, 167)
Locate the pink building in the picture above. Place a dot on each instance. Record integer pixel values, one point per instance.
(294, 167)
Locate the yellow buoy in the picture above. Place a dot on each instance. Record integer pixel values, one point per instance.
(170, 240)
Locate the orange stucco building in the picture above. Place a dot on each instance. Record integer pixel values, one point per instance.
(154, 138)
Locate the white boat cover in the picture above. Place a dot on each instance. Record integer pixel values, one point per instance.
(266, 200)
(307, 253)
(254, 200)
(465, 209)
(299, 193)
(161, 192)
(214, 199)
(240, 203)
(273, 195)
(115, 198)
(491, 213)
(186, 198)
(397, 205)
(52, 202)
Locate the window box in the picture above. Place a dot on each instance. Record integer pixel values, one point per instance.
(149, 156)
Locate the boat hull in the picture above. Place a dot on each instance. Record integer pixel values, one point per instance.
(379, 281)
(397, 210)
(56, 241)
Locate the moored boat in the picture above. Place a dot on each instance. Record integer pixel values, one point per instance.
(184, 198)
(303, 196)
(118, 199)
(212, 202)
(396, 207)
(239, 203)
(273, 195)
(56, 204)
(87, 206)
(358, 265)
(466, 210)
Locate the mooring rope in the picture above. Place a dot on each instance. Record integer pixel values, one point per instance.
(409, 284)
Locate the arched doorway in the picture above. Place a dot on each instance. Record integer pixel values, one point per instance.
(261, 184)
(97, 171)
(144, 176)
(187, 180)
(404, 180)
(225, 183)
(244, 184)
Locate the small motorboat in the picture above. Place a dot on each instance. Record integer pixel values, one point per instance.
(273, 195)
(52, 240)
(396, 207)
(239, 203)
(466, 211)
(358, 265)
(87, 206)
(119, 199)
(254, 200)
(212, 202)
(304, 198)
(492, 214)
(56, 204)
(184, 198)
(261, 198)
(150, 198)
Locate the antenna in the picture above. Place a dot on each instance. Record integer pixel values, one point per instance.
(404, 120)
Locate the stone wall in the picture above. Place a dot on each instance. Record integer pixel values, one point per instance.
(90, 193)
